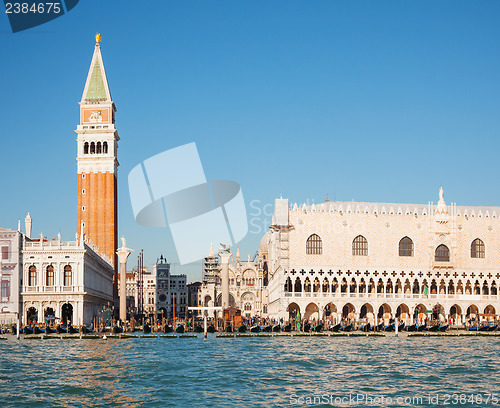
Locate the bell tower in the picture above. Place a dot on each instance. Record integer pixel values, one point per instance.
(97, 140)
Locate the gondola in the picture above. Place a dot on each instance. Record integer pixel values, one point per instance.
(287, 328)
(146, 329)
(472, 328)
(276, 328)
(493, 328)
(61, 330)
(39, 330)
(27, 330)
(211, 329)
(50, 330)
(72, 330)
(229, 328)
(255, 329)
(116, 329)
(268, 329)
(380, 326)
(347, 328)
(307, 328)
(169, 329)
(335, 328)
(421, 328)
(411, 328)
(319, 328)
(484, 328)
(443, 328)
(366, 327)
(434, 328)
(390, 328)
(242, 329)
(86, 330)
(179, 328)
(401, 327)
(13, 329)
(198, 329)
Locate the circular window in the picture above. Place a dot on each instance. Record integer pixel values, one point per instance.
(162, 298)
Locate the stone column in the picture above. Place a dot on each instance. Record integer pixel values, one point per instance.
(224, 256)
(123, 254)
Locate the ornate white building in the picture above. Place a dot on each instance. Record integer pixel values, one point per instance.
(379, 260)
(65, 279)
(247, 290)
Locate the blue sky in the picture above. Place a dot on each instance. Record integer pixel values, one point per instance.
(363, 100)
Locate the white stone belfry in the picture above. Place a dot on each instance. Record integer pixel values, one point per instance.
(123, 252)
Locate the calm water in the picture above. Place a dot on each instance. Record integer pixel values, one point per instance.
(247, 372)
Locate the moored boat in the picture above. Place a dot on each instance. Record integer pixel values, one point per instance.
(27, 330)
(347, 328)
(211, 329)
(61, 330)
(146, 329)
(242, 329)
(39, 330)
(255, 329)
(198, 328)
(179, 328)
(287, 328)
(116, 329)
(366, 327)
(319, 328)
(335, 328)
(276, 328)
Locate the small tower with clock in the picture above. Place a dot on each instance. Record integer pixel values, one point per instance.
(97, 163)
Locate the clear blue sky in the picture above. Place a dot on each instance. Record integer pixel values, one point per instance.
(365, 100)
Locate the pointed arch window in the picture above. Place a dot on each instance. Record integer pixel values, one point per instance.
(105, 147)
(92, 148)
(442, 254)
(86, 148)
(360, 246)
(314, 245)
(99, 148)
(477, 249)
(406, 247)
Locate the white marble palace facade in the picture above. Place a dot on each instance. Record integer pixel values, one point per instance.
(65, 279)
(247, 290)
(370, 261)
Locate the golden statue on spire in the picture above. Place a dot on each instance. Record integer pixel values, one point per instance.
(98, 38)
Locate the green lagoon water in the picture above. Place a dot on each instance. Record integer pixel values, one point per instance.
(251, 372)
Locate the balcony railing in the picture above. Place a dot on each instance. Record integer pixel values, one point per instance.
(390, 295)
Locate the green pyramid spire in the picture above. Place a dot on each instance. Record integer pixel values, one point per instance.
(96, 90)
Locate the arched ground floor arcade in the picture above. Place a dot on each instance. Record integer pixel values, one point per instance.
(373, 311)
(75, 309)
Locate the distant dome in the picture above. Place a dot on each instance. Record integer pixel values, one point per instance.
(264, 247)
